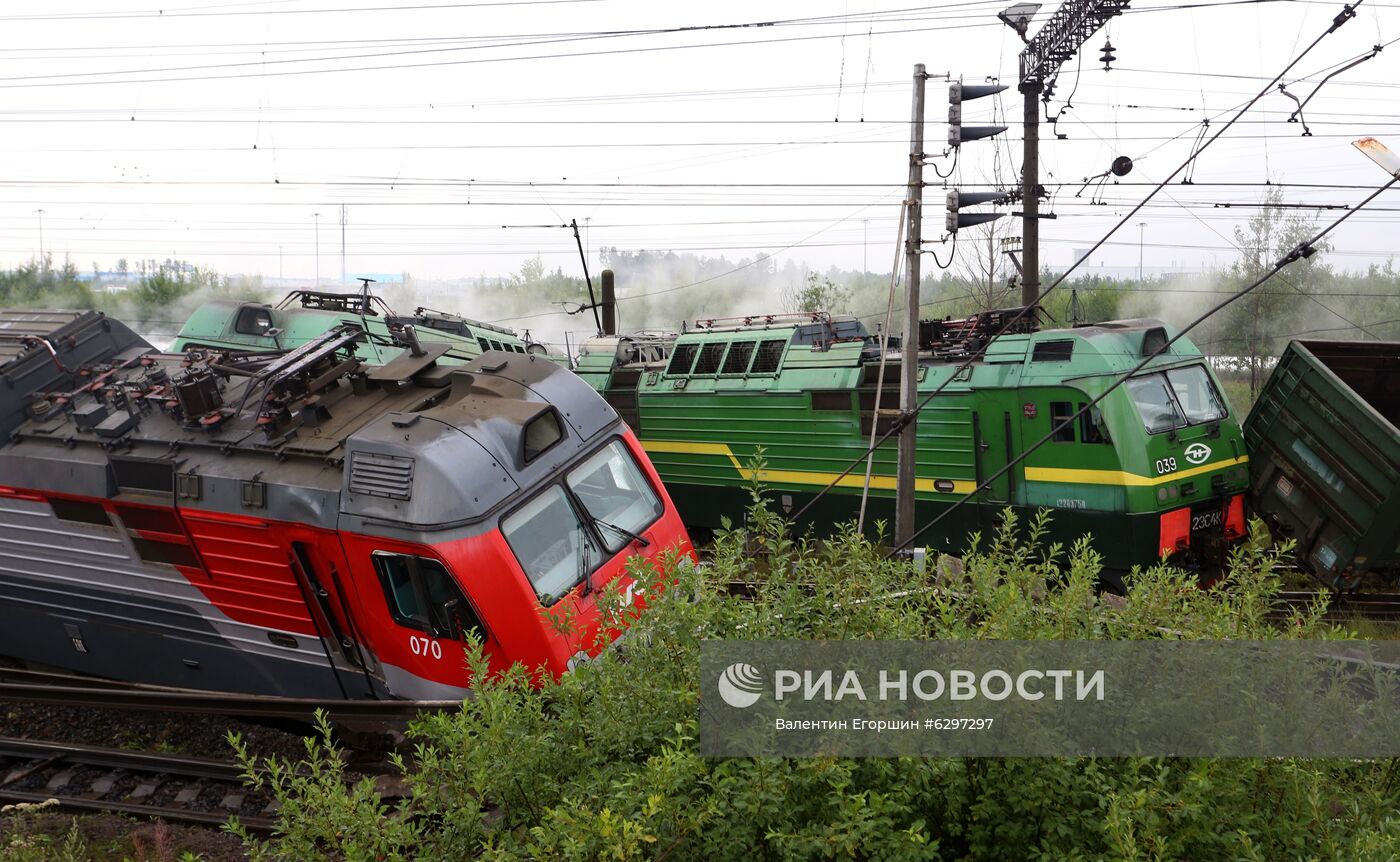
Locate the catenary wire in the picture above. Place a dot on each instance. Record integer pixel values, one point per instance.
(1348, 12)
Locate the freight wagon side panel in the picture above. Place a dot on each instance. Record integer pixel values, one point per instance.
(1325, 451)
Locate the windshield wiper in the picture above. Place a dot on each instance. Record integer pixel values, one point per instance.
(584, 559)
(623, 530)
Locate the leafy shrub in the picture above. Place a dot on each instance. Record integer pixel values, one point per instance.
(604, 763)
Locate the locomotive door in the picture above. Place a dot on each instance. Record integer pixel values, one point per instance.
(997, 442)
(290, 573)
(320, 567)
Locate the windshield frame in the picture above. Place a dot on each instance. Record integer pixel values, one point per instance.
(1166, 383)
(586, 519)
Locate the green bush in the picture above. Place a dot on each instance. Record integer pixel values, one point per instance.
(604, 764)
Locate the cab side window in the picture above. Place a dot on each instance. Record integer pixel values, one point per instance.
(253, 320)
(1092, 428)
(422, 595)
(1060, 412)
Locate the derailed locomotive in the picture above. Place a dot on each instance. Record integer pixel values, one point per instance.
(301, 523)
(1158, 467)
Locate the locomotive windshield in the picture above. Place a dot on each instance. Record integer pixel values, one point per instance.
(1176, 398)
(565, 533)
(613, 491)
(1196, 395)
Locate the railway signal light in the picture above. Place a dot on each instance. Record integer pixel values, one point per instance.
(959, 219)
(958, 92)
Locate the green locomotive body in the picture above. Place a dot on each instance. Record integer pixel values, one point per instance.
(305, 315)
(1159, 467)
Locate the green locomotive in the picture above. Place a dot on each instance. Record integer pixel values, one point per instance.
(305, 315)
(1159, 467)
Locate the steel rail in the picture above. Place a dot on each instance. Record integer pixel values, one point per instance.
(18, 685)
(1370, 606)
(31, 756)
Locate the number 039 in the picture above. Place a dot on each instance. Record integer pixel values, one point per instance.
(1166, 465)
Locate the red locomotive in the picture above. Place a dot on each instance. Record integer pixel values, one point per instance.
(300, 523)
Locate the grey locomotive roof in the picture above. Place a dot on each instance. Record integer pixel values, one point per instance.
(307, 435)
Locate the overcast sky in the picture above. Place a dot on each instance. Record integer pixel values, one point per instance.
(459, 136)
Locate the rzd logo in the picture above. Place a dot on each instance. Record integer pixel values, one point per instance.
(740, 685)
(1197, 453)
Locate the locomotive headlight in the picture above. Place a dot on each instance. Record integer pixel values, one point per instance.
(577, 659)
(1161, 493)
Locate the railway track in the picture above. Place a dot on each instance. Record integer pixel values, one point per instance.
(1381, 607)
(32, 686)
(175, 788)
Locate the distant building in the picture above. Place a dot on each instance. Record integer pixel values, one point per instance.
(379, 277)
(110, 278)
(1095, 266)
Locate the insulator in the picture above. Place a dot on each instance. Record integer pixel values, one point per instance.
(1108, 56)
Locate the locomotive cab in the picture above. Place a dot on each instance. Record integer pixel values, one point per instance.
(1161, 458)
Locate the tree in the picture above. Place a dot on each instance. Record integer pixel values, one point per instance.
(818, 294)
(983, 270)
(1259, 325)
(531, 273)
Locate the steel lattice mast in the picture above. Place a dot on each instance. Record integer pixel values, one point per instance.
(1061, 37)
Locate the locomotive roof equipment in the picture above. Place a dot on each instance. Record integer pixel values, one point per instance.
(303, 315)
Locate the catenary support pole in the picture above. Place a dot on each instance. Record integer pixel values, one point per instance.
(609, 298)
(909, 366)
(1030, 197)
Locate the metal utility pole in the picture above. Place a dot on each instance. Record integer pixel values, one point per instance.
(43, 265)
(1061, 37)
(1030, 190)
(609, 302)
(343, 218)
(909, 364)
(317, 217)
(1141, 226)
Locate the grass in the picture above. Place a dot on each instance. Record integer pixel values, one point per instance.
(1237, 393)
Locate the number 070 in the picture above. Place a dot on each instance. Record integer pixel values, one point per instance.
(424, 646)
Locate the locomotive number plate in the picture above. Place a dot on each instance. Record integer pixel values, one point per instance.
(1207, 518)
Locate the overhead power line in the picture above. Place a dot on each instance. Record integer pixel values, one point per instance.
(1302, 250)
(896, 427)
